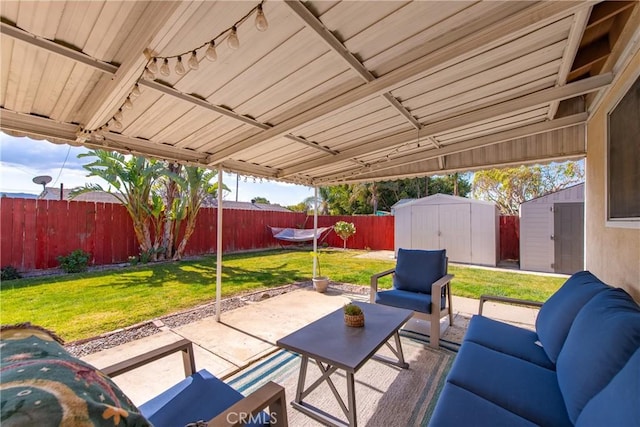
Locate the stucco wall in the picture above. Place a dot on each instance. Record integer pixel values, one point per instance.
(612, 253)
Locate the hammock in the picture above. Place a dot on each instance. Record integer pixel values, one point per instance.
(297, 234)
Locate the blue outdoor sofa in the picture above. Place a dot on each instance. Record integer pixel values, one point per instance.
(581, 366)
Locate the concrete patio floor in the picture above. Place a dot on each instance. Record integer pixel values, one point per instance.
(249, 333)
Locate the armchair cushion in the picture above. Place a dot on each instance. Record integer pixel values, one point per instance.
(558, 312)
(186, 401)
(603, 338)
(417, 269)
(404, 299)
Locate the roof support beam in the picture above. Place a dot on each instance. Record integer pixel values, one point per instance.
(538, 98)
(483, 141)
(507, 29)
(41, 127)
(110, 95)
(311, 21)
(573, 43)
(52, 47)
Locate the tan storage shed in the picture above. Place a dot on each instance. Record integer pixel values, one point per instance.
(552, 232)
(468, 229)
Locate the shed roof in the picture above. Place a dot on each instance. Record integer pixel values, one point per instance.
(577, 192)
(439, 199)
(331, 92)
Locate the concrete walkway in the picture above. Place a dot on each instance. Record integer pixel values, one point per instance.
(249, 333)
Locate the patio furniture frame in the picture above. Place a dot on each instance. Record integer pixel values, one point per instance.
(515, 301)
(270, 395)
(326, 342)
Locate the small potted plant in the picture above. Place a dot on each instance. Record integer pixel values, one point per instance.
(320, 282)
(353, 315)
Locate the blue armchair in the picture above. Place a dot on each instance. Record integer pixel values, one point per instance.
(417, 277)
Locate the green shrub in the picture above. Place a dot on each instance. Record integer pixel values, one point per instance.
(76, 262)
(9, 273)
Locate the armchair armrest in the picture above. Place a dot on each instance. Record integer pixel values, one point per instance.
(183, 345)
(508, 300)
(269, 395)
(436, 289)
(374, 283)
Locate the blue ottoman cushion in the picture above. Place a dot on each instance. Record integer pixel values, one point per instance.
(604, 336)
(558, 312)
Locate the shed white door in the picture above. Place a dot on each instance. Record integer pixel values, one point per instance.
(455, 231)
(446, 226)
(425, 227)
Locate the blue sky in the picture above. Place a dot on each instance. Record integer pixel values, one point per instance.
(22, 159)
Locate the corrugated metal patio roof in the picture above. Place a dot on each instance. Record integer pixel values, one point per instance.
(332, 92)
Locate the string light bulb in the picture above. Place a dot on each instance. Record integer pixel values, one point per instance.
(128, 104)
(148, 74)
(180, 70)
(164, 68)
(153, 66)
(193, 61)
(116, 124)
(211, 53)
(261, 20)
(232, 41)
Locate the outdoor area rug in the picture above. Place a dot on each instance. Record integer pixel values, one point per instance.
(385, 395)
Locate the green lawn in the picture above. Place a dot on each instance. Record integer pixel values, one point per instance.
(83, 305)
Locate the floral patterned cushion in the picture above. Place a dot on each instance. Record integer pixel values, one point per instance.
(41, 384)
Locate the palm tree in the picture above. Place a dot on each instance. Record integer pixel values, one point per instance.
(132, 178)
(196, 184)
(157, 195)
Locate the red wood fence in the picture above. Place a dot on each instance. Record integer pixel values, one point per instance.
(509, 238)
(33, 233)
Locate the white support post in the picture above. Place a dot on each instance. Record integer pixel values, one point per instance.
(315, 231)
(219, 247)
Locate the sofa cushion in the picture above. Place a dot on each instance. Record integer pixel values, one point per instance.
(617, 403)
(459, 407)
(509, 339)
(184, 402)
(417, 269)
(405, 299)
(604, 336)
(514, 384)
(558, 312)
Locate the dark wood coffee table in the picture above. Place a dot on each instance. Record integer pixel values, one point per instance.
(334, 345)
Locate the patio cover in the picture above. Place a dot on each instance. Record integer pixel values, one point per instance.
(332, 92)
